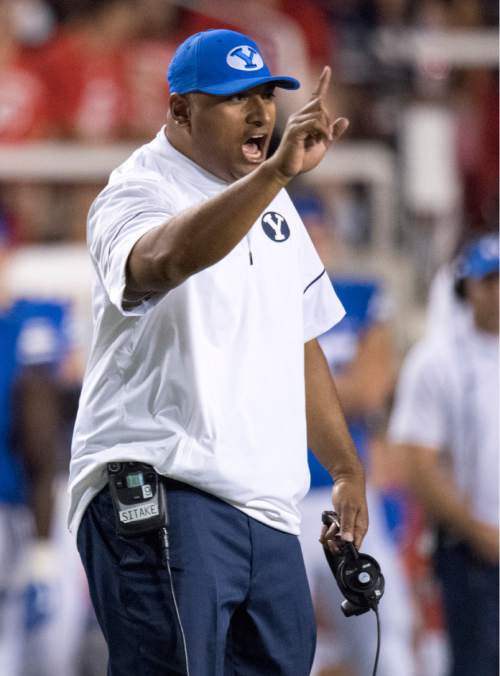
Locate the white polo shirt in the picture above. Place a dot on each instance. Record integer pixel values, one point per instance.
(447, 399)
(206, 382)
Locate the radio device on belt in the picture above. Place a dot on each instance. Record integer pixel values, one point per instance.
(139, 499)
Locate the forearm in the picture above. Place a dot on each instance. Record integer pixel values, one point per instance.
(327, 432)
(203, 235)
(361, 394)
(329, 439)
(348, 390)
(435, 489)
(42, 502)
(39, 429)
(366, 384)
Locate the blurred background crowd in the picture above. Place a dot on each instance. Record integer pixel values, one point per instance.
(82, 82)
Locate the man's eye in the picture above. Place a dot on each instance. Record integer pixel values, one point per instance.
(238, 97)
(270, 95)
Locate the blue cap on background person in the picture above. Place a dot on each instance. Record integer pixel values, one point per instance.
(221, 62)
(480, 258)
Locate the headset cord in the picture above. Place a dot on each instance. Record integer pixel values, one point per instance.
(165, 558)
(377, 653)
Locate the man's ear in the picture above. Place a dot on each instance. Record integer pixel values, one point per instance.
(180, 109)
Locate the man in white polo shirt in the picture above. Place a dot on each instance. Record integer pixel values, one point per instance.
(445, 421)
(207, 301)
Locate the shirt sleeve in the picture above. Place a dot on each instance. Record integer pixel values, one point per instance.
(120, 215)
(322, 308)
(419, 413)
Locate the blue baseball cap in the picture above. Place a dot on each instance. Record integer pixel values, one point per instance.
(480, 258)
(221, 62)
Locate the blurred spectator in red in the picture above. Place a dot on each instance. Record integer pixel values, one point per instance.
(312, 20)
(477, 139)
(84, 72)
(24, 112)
(145, 66)
(309, 16)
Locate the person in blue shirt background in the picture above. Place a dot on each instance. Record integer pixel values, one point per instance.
(32, 346)
(361, 354)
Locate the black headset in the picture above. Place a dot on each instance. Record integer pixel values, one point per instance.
(459, 279)
(358, 575)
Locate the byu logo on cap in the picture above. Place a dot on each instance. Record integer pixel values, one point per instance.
(244, 57)
(275, 226)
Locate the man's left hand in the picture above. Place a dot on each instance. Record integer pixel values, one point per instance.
(349, 501)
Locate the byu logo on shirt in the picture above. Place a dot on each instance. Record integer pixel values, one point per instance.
(244, 57)
(275, 226)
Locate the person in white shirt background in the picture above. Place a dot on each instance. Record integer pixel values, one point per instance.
(207, 301)
(445, 422)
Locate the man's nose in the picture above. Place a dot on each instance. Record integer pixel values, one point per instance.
(258, 111)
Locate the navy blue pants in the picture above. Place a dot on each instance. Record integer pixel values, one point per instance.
(470, 595)
(240, 587)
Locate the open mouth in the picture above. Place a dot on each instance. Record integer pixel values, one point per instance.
(253, 148)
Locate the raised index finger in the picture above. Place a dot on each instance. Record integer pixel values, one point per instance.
(323, 83)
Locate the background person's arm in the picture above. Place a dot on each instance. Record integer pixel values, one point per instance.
(38, 420)
(436, 491)
(366, 383)
(329, 439)
(364, 387)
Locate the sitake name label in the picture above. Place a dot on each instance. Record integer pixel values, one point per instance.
(138, 513)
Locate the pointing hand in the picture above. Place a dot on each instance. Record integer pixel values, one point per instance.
(308, 134)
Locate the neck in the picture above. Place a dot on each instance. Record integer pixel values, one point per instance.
(176, 139)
